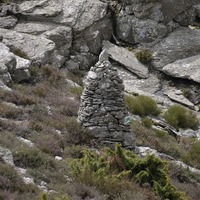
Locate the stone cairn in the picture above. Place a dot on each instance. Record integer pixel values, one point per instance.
(102, 107)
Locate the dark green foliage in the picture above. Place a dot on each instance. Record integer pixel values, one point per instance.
(119, 165)
(142, 105)
(180, 117)
(144, 56)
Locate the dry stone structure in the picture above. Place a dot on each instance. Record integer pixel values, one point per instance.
(102, 106)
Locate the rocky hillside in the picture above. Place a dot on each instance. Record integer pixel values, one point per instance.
(76, 76)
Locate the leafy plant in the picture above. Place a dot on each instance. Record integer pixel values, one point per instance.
(180, 117)
(121, 165)
(142, 105)
(144, 56)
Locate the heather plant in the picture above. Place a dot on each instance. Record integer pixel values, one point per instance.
(31, 157)
(180, 117)
(11, 181)
(76, 91)
(142, 105)
(10, 111)
(193, 155)
(122, 165)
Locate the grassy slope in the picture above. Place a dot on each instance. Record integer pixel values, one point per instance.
(44, 112)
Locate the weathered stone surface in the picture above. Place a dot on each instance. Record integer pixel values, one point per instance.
(180, 44)
(21, 72)
(8, 22)
(34, 28)
(171, 8)
(177, 96)
(7, 59)
(133, 30)
(6, 9)
(41, 8)
(3, 86)
(37, 49)
(187, 68)
(126, 58)
(78, 14)
(132, 83)
(6, 154)
(102, 107)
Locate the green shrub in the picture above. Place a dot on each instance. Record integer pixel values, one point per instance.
(142, 105)
(144, 56)
(180, 117)
(147, 122)
(121, 165)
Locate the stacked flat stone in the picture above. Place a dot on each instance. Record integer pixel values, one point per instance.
(102, 107)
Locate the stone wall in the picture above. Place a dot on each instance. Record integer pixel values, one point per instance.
(102, 107)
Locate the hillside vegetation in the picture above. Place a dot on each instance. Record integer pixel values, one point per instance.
(44, 113)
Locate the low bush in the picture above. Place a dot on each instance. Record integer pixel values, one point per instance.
(76, 91)
(11, 181)
(192, 155)
(75, 133)
(142, 105)
(144, 56)
(180, 117)
(147, 122)
(49, 142)
(30, 157)
(17, 98)
(107, 169)
(10, 111)
(159, 140)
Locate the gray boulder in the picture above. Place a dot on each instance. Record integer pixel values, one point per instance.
(8, 22)
(7, 60)
(187, 68)
(132, 30)
(21, 72)
(172, 8)
(126, 58)
(182, 43)
(6, 154)
(34, 27)
(40, 9)
(78, 14)
(177, 96)
(37, 49)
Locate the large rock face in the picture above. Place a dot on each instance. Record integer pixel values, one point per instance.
(180, 44)
(147, 21)
(126, 58)
(102, 106)
(78, 14)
